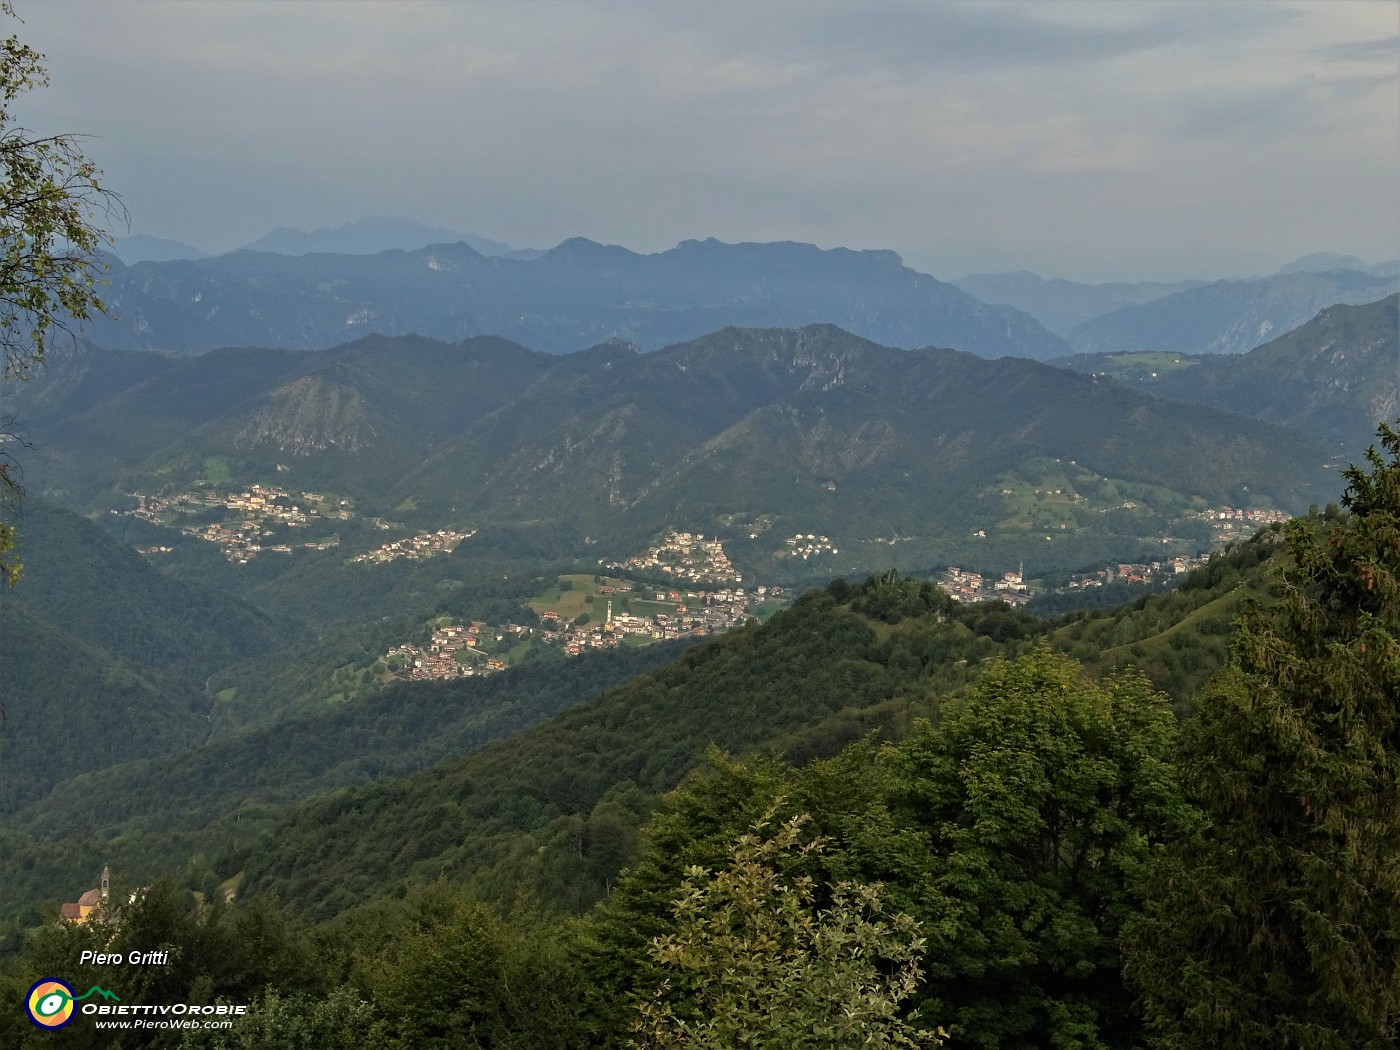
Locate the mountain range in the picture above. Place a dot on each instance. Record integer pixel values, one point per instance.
(1227, 317)
(371, 235)
(908, 458)
(1335, 377)
(569, 298)
(366, 236)
(313, 291)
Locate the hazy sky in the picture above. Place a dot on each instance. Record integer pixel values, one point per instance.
(1096, 141)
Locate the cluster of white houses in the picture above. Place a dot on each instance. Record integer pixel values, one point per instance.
(964, 586)
(806, 545)
(423, 545)
(240, 538)
(686, 556)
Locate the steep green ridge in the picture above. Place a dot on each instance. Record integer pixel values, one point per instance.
(105, 658)
(1335, 377)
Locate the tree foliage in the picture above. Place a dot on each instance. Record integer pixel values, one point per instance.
(51, 203)
(1041, 796)
(753, 960)
(1279, 925)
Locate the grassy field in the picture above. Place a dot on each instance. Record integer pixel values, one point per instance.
(574, 602)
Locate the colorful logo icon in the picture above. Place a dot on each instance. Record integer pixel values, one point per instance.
(50, 1003)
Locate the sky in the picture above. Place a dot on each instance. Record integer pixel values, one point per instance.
(1093, 141)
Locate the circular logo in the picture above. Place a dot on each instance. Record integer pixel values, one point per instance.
(50, 1003)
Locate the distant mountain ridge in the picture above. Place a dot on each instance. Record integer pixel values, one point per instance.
(1323, 262)
(1060, 305)
(141, 247)
(1227, 317)
(369, 236)
(576, 295)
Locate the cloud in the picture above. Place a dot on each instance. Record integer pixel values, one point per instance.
(1378, 50)
(915, 126)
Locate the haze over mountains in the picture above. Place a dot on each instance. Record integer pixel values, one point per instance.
(1059, 304)
(372, 235)
(314, 290)
(1227, 317)
(569, 298)
(1063, 305)
(366, 236)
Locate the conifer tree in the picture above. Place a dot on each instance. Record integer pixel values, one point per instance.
(1279, 923)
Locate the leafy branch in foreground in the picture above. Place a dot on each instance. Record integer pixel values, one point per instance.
(51, 202)
(753, 961)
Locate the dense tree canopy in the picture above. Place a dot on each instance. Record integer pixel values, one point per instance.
(1279, 924)
(1041, 798)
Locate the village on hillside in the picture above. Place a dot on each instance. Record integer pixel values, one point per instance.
(246, 517)
(582, 614)
(687, 556)
(1228, 524)
(414, 548)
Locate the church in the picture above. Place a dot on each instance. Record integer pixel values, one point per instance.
(88, 902)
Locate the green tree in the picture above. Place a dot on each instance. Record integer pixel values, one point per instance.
(340, 1020)
(1279, 924)
(51, 200)
(214, 953)
(1041, 797)
(753, 960)
(451, 973)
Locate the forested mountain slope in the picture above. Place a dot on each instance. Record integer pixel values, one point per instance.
(904, 458)
(105, 658)
(1335, 377)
